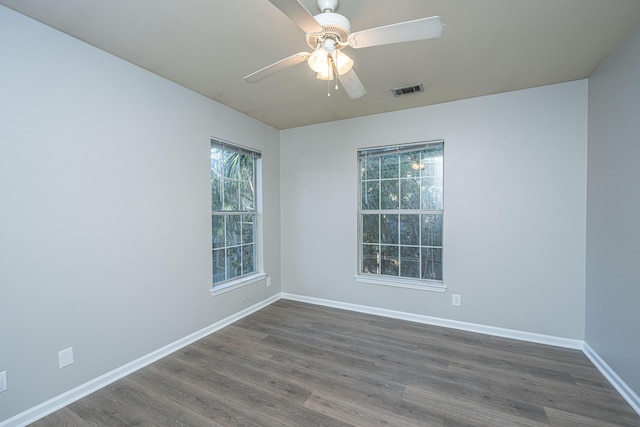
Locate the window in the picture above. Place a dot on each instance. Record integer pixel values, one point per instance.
(233, 212)
(401, 215)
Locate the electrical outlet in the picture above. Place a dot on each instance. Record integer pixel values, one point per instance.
(65, 357)
(456, 300)
(268, 281)
(3, 381)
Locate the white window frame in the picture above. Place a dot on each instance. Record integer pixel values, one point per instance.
(258, 274)
(388, 280)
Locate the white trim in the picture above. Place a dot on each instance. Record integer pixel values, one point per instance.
(625, 391)
(237, 283)
(37, 412)
(454, 324)
(402, 283)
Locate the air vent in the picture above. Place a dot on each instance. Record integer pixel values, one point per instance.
(407, 90)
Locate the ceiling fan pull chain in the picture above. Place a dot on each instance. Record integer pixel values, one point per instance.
(329, 78)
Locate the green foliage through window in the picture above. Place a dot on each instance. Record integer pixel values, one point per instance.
(233, 211)
(401, 211)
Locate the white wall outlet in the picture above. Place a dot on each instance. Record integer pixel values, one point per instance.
(268, 281)
(456, 300)
(65, 357)
(3, 381)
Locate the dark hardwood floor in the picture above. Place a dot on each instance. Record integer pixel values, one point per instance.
(295, 364)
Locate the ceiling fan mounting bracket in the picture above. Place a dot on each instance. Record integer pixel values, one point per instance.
(327, 5)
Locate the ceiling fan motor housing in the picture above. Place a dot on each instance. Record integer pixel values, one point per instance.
(335, 26)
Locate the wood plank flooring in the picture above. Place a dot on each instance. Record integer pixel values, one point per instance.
(295, 364)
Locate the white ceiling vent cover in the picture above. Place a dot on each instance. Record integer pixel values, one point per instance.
(399, 91)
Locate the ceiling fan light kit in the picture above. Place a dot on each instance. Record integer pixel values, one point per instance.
(327, 58)
(328, 33)
(342, 62)
(320, 57)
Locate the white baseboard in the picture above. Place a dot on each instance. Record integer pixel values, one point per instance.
(454, 324)
(625, 391)
(64, 399)
(60, 401)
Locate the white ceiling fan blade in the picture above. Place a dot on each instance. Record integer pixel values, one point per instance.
(278, 66)
(352, 85)
(420, 29)
(298, 14)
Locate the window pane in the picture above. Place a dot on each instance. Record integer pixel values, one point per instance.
(389, 166)
(371, 195)
(409, 262)
(231, 164)
(234, 262)
(370, 228)
(217, 162)
(432, 159)
(370, 168)
(248, 228)
(217, 228)
(216, 194)
(233, 230)
(248, 255)
(370, 259)
(432, 194)
(245, 171)
(410, 164)
(246, 196)
(432, 230)
(389, 229)
(410, 194)
(431, 263)
(410, 229)
(218, 265)
(390, 193)
(231, 195)
(390, 262)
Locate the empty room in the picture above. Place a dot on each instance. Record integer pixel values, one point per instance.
(413, 213)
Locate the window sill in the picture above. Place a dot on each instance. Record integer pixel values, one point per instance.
(403, 283)
(237, 283)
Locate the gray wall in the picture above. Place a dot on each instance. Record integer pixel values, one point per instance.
(104, 220)
(105, 232)
(613, 231)
(515, 200)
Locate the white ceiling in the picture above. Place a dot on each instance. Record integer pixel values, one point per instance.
(208, 46)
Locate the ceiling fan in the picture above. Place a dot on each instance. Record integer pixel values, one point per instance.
(329, 32)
